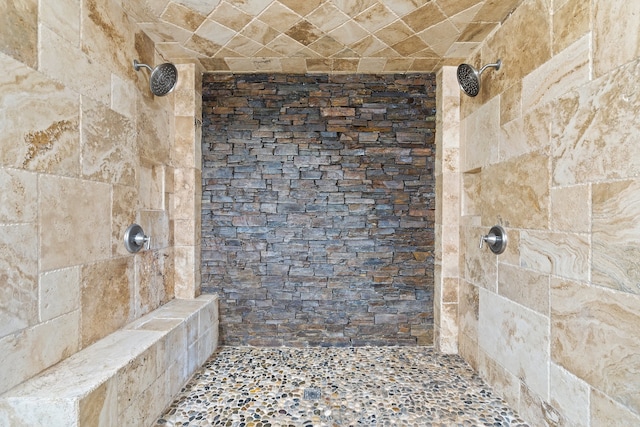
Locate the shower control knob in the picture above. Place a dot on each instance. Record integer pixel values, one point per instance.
(496, 240)
(135, 239)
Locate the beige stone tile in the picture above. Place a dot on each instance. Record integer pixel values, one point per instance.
(260, 32)
(19, 33)
(525, 287)
(461, 50)
(569, 395)
(40, 121)
(493, 9)
(123, 99)
(190, 20)
(468, 309)
(424, 17)
(528, 30)
(524, 135)
(185, 271)
(73, 211)
(230, 16)
(370, 46)
(34, 349)
(605, 322)
(100, 407)
(468, 350)
(349, 65)
(564, 72)
(371, 65)
(560, 254)
(87, 76)
(570, 22)
(615, 34)
(18, 280)
(214, 32)
(571, 209)
(124, 206)
(184, 94)
(108, 37)
(154, 131)
(203, 45)
(511, 103)
(162, 31)
(326, 46)
(376, 17)
(410, 46)
(147, 11)
(477, 31)
(58, 293)
(327, 17)
(243, 46)
(605, 412)
(595, 128)
(108, 145)
(394, 33)
(185, 203)
(285, 45)
(516, 192)
(448, 340)
(480, 133)
(536, 410)
(615, 235)
(62, 17)
(354, 7)
(516, 338)
(480, 265)
(349, 33)
(279, 17)
(184, 148)
(136, 376)
(440, 37)
(106, 298)
(240, 65)
(501, 380)
(23, 413)
(154, 280)
(302, 7)
(19, 196)
(293, 65)
(205, 7)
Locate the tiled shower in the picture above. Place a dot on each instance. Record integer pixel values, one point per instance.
(547, 150)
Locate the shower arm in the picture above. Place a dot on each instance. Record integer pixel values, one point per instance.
(137, 65)
(496, 66)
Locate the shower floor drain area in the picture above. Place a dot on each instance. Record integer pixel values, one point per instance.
(312, 394)
(337, 387)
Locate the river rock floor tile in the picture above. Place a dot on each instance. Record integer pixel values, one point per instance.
(336, 386)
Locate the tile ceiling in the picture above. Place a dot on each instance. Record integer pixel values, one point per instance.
(373, 36)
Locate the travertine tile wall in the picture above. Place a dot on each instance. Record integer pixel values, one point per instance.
(549, 149)
(86, 150)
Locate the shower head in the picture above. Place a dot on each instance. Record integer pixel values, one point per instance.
(163, 78)
(469, 77)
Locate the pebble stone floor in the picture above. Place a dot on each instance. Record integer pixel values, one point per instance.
(336, 386)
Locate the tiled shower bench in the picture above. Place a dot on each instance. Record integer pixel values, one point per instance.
(127, 378)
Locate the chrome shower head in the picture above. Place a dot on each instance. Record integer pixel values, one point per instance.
(469, 77)
(163, 78)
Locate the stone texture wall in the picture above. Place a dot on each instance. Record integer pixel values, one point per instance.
(318, 208)
(85, 151)
(549, 149)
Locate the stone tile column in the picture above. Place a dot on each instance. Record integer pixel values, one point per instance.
(186, 159)
(446, 275)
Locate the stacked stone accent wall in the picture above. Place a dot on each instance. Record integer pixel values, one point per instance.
(318, 208)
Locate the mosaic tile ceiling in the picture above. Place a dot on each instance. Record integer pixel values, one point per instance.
(318, 35)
